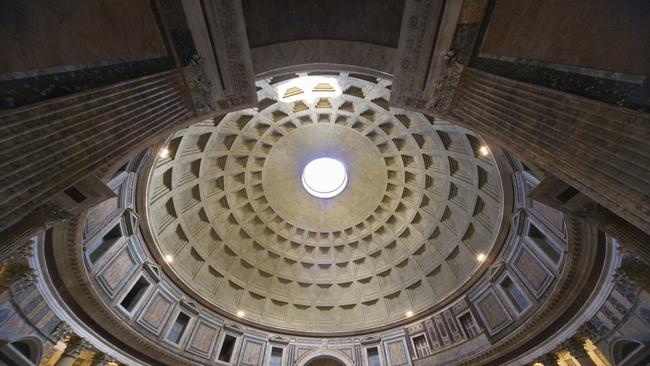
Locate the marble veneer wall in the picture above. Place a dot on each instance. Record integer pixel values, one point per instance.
(116, 259)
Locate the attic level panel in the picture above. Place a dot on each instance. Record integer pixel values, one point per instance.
(553, 31)
(371, 21)
(44, 35)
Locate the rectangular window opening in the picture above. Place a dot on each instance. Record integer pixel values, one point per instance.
(134, 295)
(276, 357)
(470, 327)
(373, 356)
(514, 294)
(176, 332)
(421, 346)
(227, 347)
(567, 195)
(550, 249)
(107, 242)
(75, 194)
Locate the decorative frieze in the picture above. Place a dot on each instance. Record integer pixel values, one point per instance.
(426, 75)
(61, 331)
(221, 77)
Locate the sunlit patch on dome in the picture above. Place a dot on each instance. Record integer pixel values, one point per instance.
(308, 89)
(324, 177)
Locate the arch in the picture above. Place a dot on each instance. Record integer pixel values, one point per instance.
(24, 351)
(326, 361)
(622, 349)
(324, 354)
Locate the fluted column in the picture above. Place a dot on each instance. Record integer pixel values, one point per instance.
(628, 235)
(576, 347)
(599, 149)
(24, 230)
(72, 351)
(548, 359)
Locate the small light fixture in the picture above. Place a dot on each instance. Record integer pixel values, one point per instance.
(169, 258)
(409, 313)
(240, 314)
(164, 152)
(480, 257)
(483, 150)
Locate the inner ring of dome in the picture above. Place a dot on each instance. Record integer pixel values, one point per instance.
(324, 177)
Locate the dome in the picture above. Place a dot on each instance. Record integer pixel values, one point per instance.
(420, 208)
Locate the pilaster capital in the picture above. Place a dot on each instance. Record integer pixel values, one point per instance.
(633, 270)
(61, 331)
(594, 213)
(50, 213)
(18, 253)
(24, 281)
(102, 359)
(548, 359)
(201, 89)
(575, 346)
(75, 346)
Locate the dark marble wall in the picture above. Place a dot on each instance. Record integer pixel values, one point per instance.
(40, 35)
(52, 49)
(372, 21)
(596, 34)
(595, 49)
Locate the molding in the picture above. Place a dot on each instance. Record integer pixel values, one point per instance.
(426, 76)
(221, 75)
(190, 306)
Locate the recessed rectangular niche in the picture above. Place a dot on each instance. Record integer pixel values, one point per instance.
(178, 328)
(514, 294)
(567, 194)
(98, 250)
(227, 348)
(276, 357)
(75, 194)
(469, 326)
(546, 246)
(132, 298)
(373, 356)
(421, 346)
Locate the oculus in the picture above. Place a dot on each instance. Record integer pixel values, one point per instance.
(324, 177)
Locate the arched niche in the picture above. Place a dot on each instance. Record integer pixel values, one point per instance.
(629, 352)
(326, 361)
(324, 358)
(23, 352)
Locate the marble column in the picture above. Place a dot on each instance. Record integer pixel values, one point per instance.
(72, 351)
(548, 359)
(628, 235)
(576, 347)
(556, 130)
(38, 220)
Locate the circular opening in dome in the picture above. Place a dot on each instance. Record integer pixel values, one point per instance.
(324, 177)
